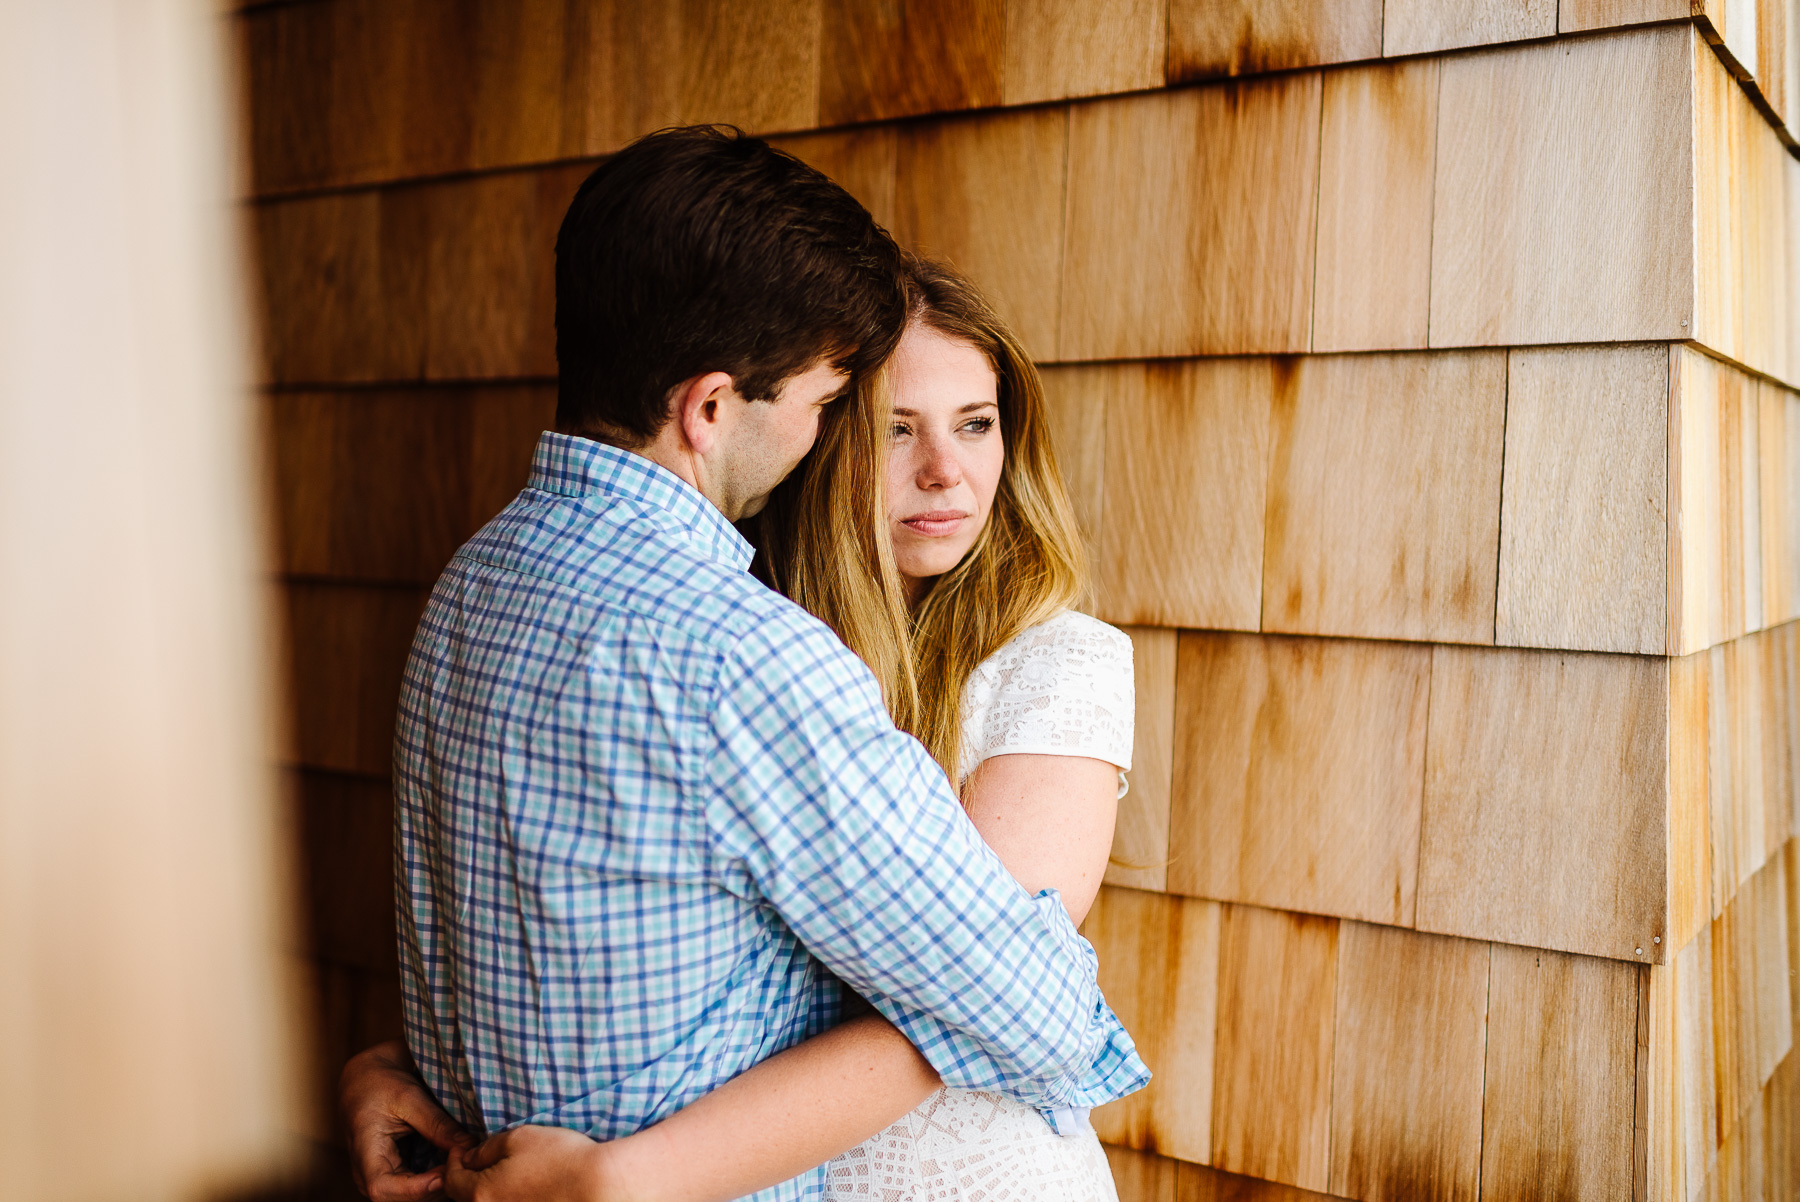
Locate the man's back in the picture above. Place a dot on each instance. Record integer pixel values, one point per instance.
(598, 965)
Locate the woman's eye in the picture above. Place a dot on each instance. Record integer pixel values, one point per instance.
(979, 425)
(898, 431)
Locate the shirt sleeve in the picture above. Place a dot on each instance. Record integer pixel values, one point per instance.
(850, 832)
(1061, 688)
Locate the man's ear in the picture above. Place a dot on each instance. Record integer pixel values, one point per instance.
(699, 409)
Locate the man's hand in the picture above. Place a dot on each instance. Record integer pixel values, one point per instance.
(381, 1099)
(531, 1164)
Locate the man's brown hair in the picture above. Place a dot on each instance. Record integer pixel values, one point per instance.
(701, 249)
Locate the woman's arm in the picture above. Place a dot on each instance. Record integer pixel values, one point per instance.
(1050, 820)
(793, 1111)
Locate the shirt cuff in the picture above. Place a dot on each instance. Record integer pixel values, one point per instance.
(1069, 1120)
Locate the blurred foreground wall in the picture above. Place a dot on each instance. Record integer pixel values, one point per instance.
(146, 1045)
(1425, 371)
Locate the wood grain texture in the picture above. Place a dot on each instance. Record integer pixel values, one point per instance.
(865, 162)
(1058, 48)
(1750, 731)
(1790, 108)
(364, 91)
(359, 91)
(383, 486)
(342, 287)
(490, 273)
(1407, 1072)
(986, 193)
(898, 58)
(1377, 164)
(286, 55)
(1271, 1106)
(633, 68)
(1718, 150)
(449, 280)
(1140, 851)
(1147, 1177)
(1212, 38)
(1790, 854)
(1776, 1018)
(1584, 530)
(1561, 1078)
(1190, 221)
(346, 829)
(1778, 475)
(1697, 1128)
(348, 645)
(1690, 815)
(1384, 497)
(1159, 969)
(1782, 1102)
(1773, 60)
(1735, 763)
(1198, 1183)
(518, 56)
(626, 69)
(1740, 430)
(1574, 16)
(1544, 822)
(1659, 1087)
(1774, 651)
(1700, 538)
(350, 1009)
(1186, 464)
(1078, 400)
(1744, 225)
(1733, 24)
(1753, 1017)
(1427, 26)
(757, 66)
(1298, 771)
(1563, 202)
(1141, 1176)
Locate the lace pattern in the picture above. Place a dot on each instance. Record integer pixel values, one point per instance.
(1062, 687)
(969, 1146)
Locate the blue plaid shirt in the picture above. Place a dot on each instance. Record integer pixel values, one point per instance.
(646, 808)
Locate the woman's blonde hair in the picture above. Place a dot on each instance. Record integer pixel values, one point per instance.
(826, 542)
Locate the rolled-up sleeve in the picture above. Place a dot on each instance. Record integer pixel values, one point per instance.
(850, 832)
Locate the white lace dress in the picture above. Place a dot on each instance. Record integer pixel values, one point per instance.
(1062, 687)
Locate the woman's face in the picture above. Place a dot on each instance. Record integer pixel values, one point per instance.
(945, 459)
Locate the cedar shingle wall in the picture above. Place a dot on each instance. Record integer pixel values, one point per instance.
(1424, 372)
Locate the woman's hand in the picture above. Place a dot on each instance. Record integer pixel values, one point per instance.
(532, 1164)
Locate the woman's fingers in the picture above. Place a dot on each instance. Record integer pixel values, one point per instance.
(459, 1179)
(490, 1151)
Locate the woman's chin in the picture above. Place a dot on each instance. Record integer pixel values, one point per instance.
(935, 562)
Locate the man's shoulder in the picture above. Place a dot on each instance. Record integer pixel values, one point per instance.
(622, 559)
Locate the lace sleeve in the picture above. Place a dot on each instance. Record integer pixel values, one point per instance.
(1063, 687)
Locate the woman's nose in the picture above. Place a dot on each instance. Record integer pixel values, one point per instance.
(940, 468)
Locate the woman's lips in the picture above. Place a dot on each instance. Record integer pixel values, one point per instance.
(936, 523)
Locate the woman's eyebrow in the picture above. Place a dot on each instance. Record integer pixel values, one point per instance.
(971, 407)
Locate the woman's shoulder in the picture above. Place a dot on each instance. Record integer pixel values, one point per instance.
(1068, 636)
(1060, 687)
(1066, 650)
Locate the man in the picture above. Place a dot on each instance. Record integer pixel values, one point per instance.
(646, 808)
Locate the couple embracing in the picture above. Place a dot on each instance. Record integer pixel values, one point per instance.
(753, 769)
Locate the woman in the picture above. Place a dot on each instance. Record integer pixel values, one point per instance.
(955, 584)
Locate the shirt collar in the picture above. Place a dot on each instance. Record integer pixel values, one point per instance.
(579, 467)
